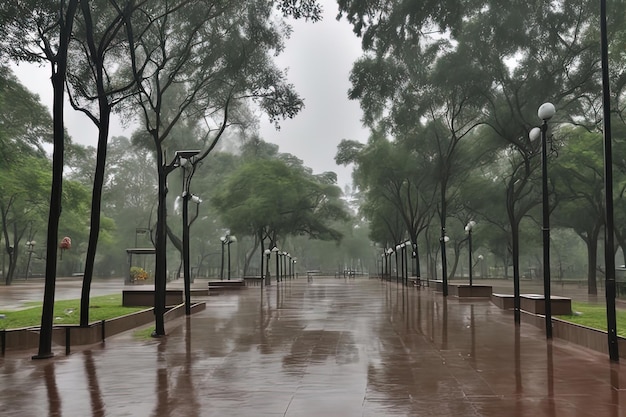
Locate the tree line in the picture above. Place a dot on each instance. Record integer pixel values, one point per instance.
(450, 92)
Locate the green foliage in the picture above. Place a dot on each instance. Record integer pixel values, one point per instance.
(279, 199)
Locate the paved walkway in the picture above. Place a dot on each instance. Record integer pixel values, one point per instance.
(332, 347)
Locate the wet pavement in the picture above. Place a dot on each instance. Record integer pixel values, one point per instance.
(331, 347)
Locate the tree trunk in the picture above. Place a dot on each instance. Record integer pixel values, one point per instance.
(58, 83)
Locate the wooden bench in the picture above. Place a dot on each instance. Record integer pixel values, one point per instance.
(254, 281)
(313, 273)
(233, 284)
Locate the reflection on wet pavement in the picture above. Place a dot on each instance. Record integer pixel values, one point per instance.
(325, 348)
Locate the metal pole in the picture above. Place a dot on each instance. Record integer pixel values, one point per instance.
(470, 255)
(186, 262)
(222, 265)
(228, 244)
(609, 250)
(277, 273)
(546, 229)
(444, 261)
(397, 278)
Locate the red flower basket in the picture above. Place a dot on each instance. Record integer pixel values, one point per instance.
(66, 243)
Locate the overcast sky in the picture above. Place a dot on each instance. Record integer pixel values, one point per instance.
(318, 56)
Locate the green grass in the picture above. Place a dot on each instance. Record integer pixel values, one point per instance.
(144, 334)
(68, 312)
(594, 316)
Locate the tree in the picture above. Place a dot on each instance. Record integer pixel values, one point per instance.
(206, 60)
(41, 32)
(388, 171)
(269, 199)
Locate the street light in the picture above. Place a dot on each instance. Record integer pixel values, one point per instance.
(545, 113)
(30, 244)
(231, 239)
(444, 263)
(267, 254)
(468, 228)
(402, 260)
(481, 258)
(226, 240)
(388, 263)
(397, 276)
(276, 252)
(185, 160)
(382, 265)
(407, 245)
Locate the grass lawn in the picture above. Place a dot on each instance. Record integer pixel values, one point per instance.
(591, 315)
(68, 312)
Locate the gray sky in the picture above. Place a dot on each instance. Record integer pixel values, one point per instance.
(318, 56)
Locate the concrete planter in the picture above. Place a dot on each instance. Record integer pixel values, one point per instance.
(96, 332)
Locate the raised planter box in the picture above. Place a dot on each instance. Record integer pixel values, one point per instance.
(535, 303)
(473, 291)
(233, 284)
(577, 334)
(96, 332)
(140, 298)
(504, 301)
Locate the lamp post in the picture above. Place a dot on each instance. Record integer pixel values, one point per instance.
(30, 244)
(545, 113)
(402, 262)
(290, 266)
(223, 240)
(276, 252)
(185, 160)
(468, 228)
(444, 262)
(407, 245)
(609, 250)
(481, 258)
(397, 268)
(389, 252)
(268, 280)
(382, 265)
(230, 240)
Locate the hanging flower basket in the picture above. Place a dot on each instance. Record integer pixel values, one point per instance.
(66, 243)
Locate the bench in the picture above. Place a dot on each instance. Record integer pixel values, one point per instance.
(254, 281)
(312, 273)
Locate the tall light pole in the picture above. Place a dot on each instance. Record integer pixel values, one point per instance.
(276, 252)
(609, 250)
(468, 228)
(267, 253)
(230, 239)
(407, 245)
(187, 163)
(545, 113)
(30, 244)
(397, 268)
(444, 262)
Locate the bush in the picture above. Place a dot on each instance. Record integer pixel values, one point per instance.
(137, 273)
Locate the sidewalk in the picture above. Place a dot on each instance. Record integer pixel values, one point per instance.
(331, 347)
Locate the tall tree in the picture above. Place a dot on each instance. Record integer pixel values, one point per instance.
(205, 59)
(41, 32)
